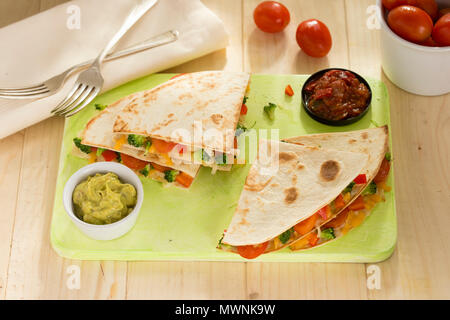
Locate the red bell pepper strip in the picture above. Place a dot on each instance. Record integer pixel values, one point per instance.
(288, 90)
(360, 179)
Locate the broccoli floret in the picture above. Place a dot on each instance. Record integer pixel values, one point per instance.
(170, 175)
(99, 106)
(100, 151)
(371, 188)
(269, 110)
(285, 236)
(146, 170)
(82, 147)
(327, 234)
(136, 140)
(388, 156)
(245, 100)
(349, 187)
(147, 146)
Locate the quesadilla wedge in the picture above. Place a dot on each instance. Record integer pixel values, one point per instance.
(277, 207)
(191, 118)
(98, 142)
(372, 141)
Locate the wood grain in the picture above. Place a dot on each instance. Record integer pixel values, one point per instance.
(29, 268)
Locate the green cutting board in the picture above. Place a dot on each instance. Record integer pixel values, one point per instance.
(178, 224)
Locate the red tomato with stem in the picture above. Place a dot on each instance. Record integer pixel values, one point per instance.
(314, 38)
(271, 16)
(410, 23)
(252, 251)
(441, 31)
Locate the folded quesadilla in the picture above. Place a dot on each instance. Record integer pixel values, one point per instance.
(99, 143)
(190, 119)
(286, 185)
(373, 142)
(347, 209)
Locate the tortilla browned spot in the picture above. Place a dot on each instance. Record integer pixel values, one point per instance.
(300, 167)
(329, 170)
(285, 156)
(291, 195)
(364, 135)
(120, 125)
(216, 118)
(351, 141)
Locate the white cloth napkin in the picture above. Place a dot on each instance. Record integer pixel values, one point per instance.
(42, 46)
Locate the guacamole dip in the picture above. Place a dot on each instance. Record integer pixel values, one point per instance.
(103, 199)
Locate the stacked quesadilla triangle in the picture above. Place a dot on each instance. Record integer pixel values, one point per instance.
(189, 119)
(99, 133)
(286, 185)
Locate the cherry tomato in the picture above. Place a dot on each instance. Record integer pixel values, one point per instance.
(391, 4)
(429, 6)
(441, 31)
(109, 155)
(443, 12)
(163, 146)
(184, 179)
(271, 16)
(133, 163)
(314, 38)
(383, 172)
(410, 23)
(252, 251)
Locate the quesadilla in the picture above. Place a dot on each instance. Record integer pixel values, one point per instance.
(373, 142)
(286, 185)
(348, 208)
(191, 118)
(99, 143)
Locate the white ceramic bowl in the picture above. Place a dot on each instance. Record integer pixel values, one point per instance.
(417, 69)
(107, 231)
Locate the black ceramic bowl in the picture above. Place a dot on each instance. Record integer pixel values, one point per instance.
(343, 122)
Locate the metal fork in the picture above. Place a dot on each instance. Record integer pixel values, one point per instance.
(90, 81)
(54, 84)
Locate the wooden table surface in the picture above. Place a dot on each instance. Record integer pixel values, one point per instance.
(419, 267)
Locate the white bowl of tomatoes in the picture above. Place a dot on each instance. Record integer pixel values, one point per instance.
(415, 52)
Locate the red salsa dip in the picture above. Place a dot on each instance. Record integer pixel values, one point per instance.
(337, 95)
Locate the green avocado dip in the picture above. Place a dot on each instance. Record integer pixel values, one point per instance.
(103, 199)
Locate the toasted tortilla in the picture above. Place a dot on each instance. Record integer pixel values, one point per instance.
(300, 181)
(199, 110)
(373, 142)
(98, 133)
